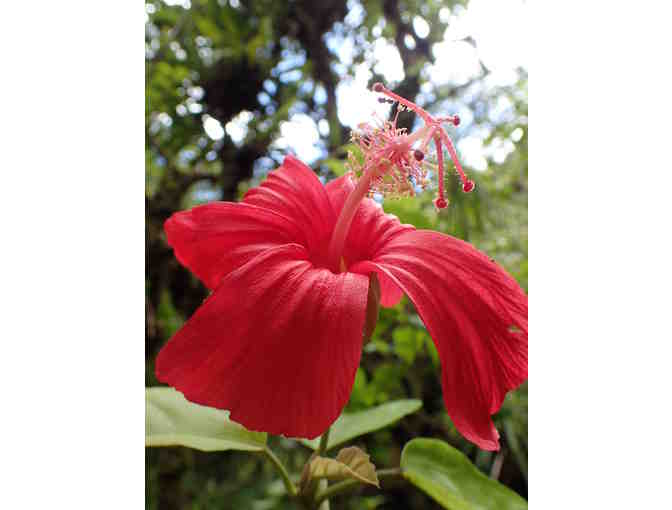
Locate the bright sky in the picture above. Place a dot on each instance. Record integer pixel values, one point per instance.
(499, 29)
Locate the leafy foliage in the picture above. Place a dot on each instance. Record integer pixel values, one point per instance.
(447, 476)
(350, 462)
(170, 420)
(351, 425)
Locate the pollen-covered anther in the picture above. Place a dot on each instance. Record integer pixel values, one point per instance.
(387, 161)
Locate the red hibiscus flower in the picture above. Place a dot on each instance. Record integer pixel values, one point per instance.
(279, 340)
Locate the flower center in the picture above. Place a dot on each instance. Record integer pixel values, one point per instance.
(394, 164)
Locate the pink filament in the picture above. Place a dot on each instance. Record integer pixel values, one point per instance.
(379, 87)
(440, 201)
(467, 184)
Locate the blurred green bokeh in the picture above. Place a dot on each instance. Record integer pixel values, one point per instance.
(222, 79)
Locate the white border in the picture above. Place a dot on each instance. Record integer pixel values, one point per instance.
(72, 255)
(599, 216)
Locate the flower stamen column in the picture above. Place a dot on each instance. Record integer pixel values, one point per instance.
(389, 151)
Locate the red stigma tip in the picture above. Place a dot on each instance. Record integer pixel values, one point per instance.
(378, 87)
(456, 120)
(468, 186)
(418, 155)
(440, 203)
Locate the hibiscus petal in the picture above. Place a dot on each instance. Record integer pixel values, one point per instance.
(371, 228)
(294, 191)
(214, 239)
(470, 307)
(278, 344)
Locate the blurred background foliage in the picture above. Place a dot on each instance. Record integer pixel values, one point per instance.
(231, 87)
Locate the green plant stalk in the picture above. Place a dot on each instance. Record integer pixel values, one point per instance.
(322, 505)
(289, 485)
(347, 485)
(310, 492)
(323, 442)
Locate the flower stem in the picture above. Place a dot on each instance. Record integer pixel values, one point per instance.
(347, 485)
(324, 504)
(289, 485)
(323, 442)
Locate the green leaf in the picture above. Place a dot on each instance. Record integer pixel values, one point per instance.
(337, 166)
(171, 420)
(351, 425)
(351, 462)
(407, 342)
(446, 475)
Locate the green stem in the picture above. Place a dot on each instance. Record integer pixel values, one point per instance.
(289, 485)
(323, 442)
(322, 505)
(347, 485)
(310, 491)
(336, 489)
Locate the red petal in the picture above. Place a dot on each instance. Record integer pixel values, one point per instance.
(294, 191)
(278, 344)
(214, 239)
(371, 228)
(469, 305)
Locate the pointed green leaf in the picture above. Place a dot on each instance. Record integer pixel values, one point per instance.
(350, 462)
(172, 420)
(351, 425)
(446, 475)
